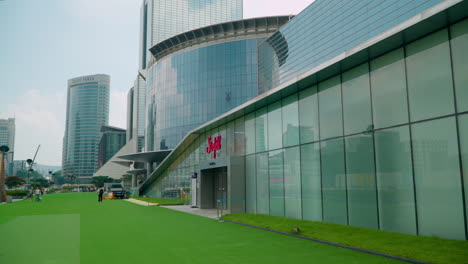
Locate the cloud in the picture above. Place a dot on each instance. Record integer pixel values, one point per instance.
(259, 8)
(40, 119)
(118, 109)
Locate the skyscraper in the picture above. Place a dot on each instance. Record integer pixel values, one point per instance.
(87, 112)
(162, 19)
(7, 138)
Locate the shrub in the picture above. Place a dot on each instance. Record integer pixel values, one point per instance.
(17, 193)
(52, 190)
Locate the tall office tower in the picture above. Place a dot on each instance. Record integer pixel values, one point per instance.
(7, 138)
(162, 19)
(87, 112)
(139, 104)
(130, 114)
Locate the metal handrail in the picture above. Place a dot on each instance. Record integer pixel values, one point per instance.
(220, 206)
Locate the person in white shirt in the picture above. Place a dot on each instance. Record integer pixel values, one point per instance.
(38, 193)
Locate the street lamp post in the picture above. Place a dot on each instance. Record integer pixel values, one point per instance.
(3, 150)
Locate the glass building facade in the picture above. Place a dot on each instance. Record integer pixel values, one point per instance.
(87, 112)
(139, 115)
(163, 19)
(380, 144)
(112, 140)
(193, 87)
(326, 29)
(189, 86)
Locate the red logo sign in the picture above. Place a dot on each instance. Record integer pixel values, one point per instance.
(213, 145)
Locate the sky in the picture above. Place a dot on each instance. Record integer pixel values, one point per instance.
(45, 43)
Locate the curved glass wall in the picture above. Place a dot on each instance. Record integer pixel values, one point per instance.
(326, 29)
(187, 89)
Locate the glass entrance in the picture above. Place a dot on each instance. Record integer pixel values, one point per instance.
(213, 187)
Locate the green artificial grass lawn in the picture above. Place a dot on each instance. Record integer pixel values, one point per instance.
(159, 201)
(426, 249)
(73, 228)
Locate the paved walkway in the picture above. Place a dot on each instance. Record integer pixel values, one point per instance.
(141, 202)
(210, 213)
(14, 200)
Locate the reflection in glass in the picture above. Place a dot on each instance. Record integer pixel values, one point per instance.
(430, 84)
(331, 118)
(459, 44)
(275, 135)
(261, 129)
(311, 182)
(290, 121)
(250, 133)
(334, 182)
(438, 181)
(360, 173)
(463, 126)
(263, 201)
(276, 183)
(388, 83)
(250, 184)
(308, 115)
(356, 100)
(292, 183)
(395, 180)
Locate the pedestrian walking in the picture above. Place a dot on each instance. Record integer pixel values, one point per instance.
(38, 193)
(100, 194)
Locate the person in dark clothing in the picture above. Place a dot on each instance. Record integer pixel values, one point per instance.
(100, 194)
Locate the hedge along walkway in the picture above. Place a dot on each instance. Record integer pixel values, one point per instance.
(73, 228)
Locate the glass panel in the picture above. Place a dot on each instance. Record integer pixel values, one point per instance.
(459, 44)
(261, 128)
(250, 133)
(292, 183)
(388, 83)
(430, 77)
(360, 173)
(334, 182)
(276, 183)
(230, 137)
(308, 115)
(311, 182)
(438, 181)
(250, 184)
(463, 126)
(275, 137)
(395, 180)
(263, 206)
(290, 121)
(239, 137)
(331, 119)
(356, 100)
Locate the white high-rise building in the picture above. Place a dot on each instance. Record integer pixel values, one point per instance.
(7, 138)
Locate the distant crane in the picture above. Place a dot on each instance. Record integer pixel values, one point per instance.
(31, 163)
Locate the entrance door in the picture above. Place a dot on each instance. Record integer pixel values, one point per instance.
(220, 185)
(213, 187)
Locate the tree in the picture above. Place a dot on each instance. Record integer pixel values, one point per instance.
(14, 181)
(58, 178)
(39, 183)
(99, 181)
